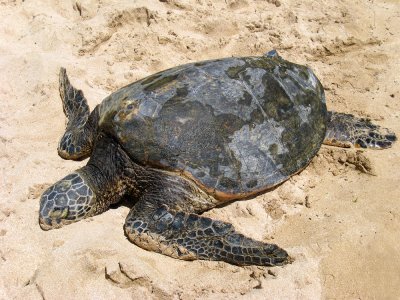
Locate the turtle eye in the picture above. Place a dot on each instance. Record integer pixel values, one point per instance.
(68, 200)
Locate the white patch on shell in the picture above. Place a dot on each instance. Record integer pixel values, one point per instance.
(252, 148)
(204, 170)
(303, 82)
(286, 84)
(211, 82)
(149, 108)
(312, 79)
(292, 79)
(183, 120)
(228, 172)
(257, 85)
(304, 112)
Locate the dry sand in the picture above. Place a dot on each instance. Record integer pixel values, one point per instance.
(340, 223)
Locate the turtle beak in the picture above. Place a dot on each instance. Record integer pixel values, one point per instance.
(54, 205)
(53, 219)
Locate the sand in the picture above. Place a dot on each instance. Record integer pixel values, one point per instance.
(339, 218)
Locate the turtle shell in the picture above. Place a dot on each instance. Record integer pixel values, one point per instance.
(236, 126)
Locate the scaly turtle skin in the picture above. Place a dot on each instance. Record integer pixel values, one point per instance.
(187, 139)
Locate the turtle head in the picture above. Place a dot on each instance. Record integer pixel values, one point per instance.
(68, 200)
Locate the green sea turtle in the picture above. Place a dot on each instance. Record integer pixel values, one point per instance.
(193, 137)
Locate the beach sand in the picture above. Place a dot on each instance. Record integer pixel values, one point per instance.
(339, 218)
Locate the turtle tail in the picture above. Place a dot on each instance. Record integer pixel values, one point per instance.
(77, 141)
(346, 130)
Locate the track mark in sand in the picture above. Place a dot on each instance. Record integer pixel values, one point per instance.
(344, 46)
(40, 290)
(32, 281)
(124, 277)
(6, 212)
(94, 37)
(341, 160)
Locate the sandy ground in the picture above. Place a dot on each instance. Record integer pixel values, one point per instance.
(340, 223)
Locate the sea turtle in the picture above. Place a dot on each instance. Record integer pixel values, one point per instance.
(193, 137)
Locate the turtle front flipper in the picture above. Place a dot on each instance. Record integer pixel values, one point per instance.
(346, 130)
(77, 141)
(189, 236)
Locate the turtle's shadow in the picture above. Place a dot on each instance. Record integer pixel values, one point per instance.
(126, 201)
(224, 204)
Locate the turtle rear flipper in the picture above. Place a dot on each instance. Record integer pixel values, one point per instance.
(77, 141)
(346, 130)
